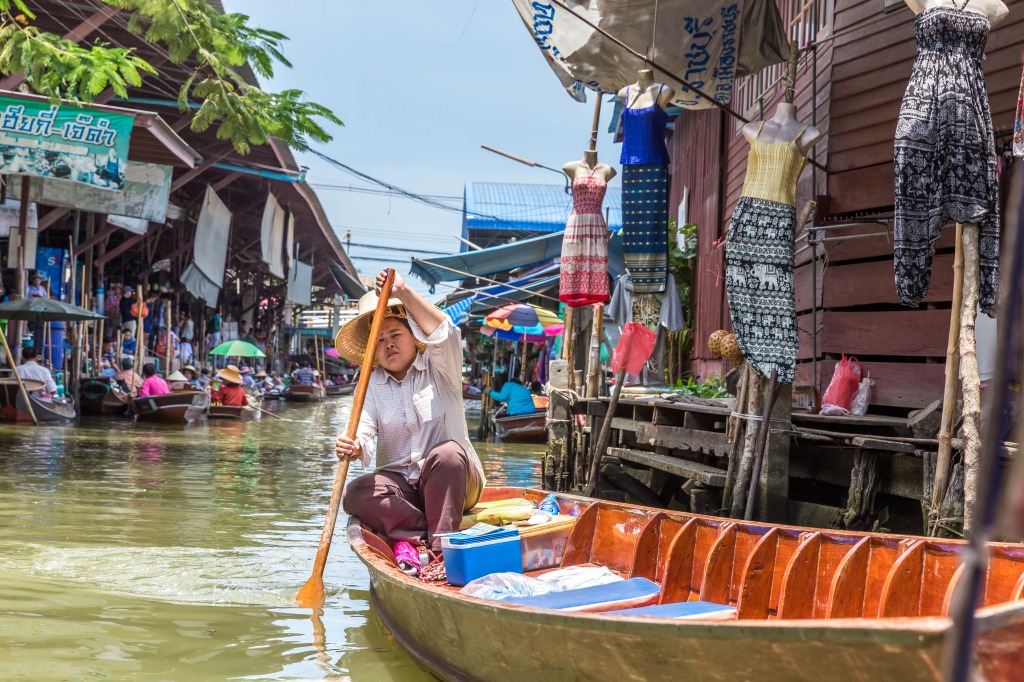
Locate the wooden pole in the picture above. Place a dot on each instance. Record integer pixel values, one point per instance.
(762, 440)
(21, 289)
(970, 379)
(594, 361)
(949, 392)
(21, 386)
(140, 340)
(597, 121)
(168, 352)
(312, 593)
(606, 429)
(568, 346)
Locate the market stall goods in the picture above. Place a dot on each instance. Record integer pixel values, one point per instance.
(817, 605)
(945, 159)
(759, 249)
(645, 183)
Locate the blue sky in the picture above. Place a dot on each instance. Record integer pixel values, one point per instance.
(420, 86)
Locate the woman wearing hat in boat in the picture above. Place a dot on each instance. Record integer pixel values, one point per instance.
(413, 420)
(230, 391)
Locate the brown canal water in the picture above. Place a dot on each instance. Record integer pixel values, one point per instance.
(151, 552)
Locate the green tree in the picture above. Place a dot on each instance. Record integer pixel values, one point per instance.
(190, 30)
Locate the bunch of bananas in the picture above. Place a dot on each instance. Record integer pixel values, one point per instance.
(498, 512)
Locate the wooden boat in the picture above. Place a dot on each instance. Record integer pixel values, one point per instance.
(232, 412)
(304, 394)
(98, 398)
(522, 428)
(177, 407)
(811, 604)
(14, 409)
(340, 389)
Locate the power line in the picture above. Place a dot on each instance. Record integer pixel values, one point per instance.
(381, 192)
(395, 248)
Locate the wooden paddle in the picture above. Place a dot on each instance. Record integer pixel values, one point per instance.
(312, 593)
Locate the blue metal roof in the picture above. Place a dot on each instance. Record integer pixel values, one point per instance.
(524, 207)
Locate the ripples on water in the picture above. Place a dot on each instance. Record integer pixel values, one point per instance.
(144, 551)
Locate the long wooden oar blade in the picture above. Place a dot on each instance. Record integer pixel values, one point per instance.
(312, 593)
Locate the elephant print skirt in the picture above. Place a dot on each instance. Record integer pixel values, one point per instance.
(759, 281)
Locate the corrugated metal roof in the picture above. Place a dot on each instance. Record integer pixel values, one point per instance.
(526, 207)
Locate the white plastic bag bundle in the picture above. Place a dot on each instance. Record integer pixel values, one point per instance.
(504, 585)
(862, 398)
(575, 577)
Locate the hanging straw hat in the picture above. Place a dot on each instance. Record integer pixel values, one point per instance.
(351, 340)
(230, 374)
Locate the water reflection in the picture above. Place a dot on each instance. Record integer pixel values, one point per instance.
(132, 549)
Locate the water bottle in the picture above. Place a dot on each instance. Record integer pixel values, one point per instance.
(549, 504)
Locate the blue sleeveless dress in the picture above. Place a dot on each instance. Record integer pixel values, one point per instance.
(645, 196)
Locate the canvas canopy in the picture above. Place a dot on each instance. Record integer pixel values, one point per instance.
(300, 284)
(709, 43)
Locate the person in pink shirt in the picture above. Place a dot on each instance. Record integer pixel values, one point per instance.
(152, 385)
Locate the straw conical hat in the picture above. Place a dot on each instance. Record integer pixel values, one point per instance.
(231, 374)
(351, 340)
(177, 376)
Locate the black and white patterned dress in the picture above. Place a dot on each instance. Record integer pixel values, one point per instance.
(945, 159)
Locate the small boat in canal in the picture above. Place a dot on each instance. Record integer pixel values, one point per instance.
(177, 407)
(98, 398)
(245, 412)
(340, 389)
(735, 600)
(521, 428)
(47, 410)
(304, 394)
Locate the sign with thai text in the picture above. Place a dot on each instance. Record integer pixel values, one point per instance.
(698, 41)
(65, 142)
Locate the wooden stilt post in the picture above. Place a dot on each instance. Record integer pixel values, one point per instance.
(568, 345)
(949, 392)
(594, 361)
(970, 379)
(140, 338)
(21, 386)
(762, 440)
(168, 352)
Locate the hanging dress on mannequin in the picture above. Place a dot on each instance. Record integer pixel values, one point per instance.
(645, 196)
(1018, 123)
(759, 258)
(945, 157)
(584, 266)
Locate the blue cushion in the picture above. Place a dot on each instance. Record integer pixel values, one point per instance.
(683, 609)
(617, 595)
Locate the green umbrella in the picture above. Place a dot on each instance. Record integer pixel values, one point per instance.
(238, 349)
(39, 309)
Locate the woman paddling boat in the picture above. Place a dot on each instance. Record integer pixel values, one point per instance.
(413, 420)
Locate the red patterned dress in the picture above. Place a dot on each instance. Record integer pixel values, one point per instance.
(584, 268)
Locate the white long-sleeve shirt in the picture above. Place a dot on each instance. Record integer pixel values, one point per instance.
(30, 369)
(403, 420)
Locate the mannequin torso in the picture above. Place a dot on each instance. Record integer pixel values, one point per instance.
(589, 165)
(645, 92)
(995, 10)
(782, 127)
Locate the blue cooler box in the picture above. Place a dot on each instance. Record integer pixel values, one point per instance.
(468, 556)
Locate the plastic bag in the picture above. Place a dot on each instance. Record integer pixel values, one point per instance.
(503, 585)
(845, 381)
(862, 398)
(575, 577)
(634, 348)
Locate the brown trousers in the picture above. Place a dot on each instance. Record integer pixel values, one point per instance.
(389, 505)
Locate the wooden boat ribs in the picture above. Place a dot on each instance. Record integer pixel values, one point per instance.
(884, 597)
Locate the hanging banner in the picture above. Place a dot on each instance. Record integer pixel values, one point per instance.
(300, 284)
(63, 141)
(147, 189)
(205, 276)
(706, 42)
(272, 236)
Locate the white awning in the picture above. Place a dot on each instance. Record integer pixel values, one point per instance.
(706, 42)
